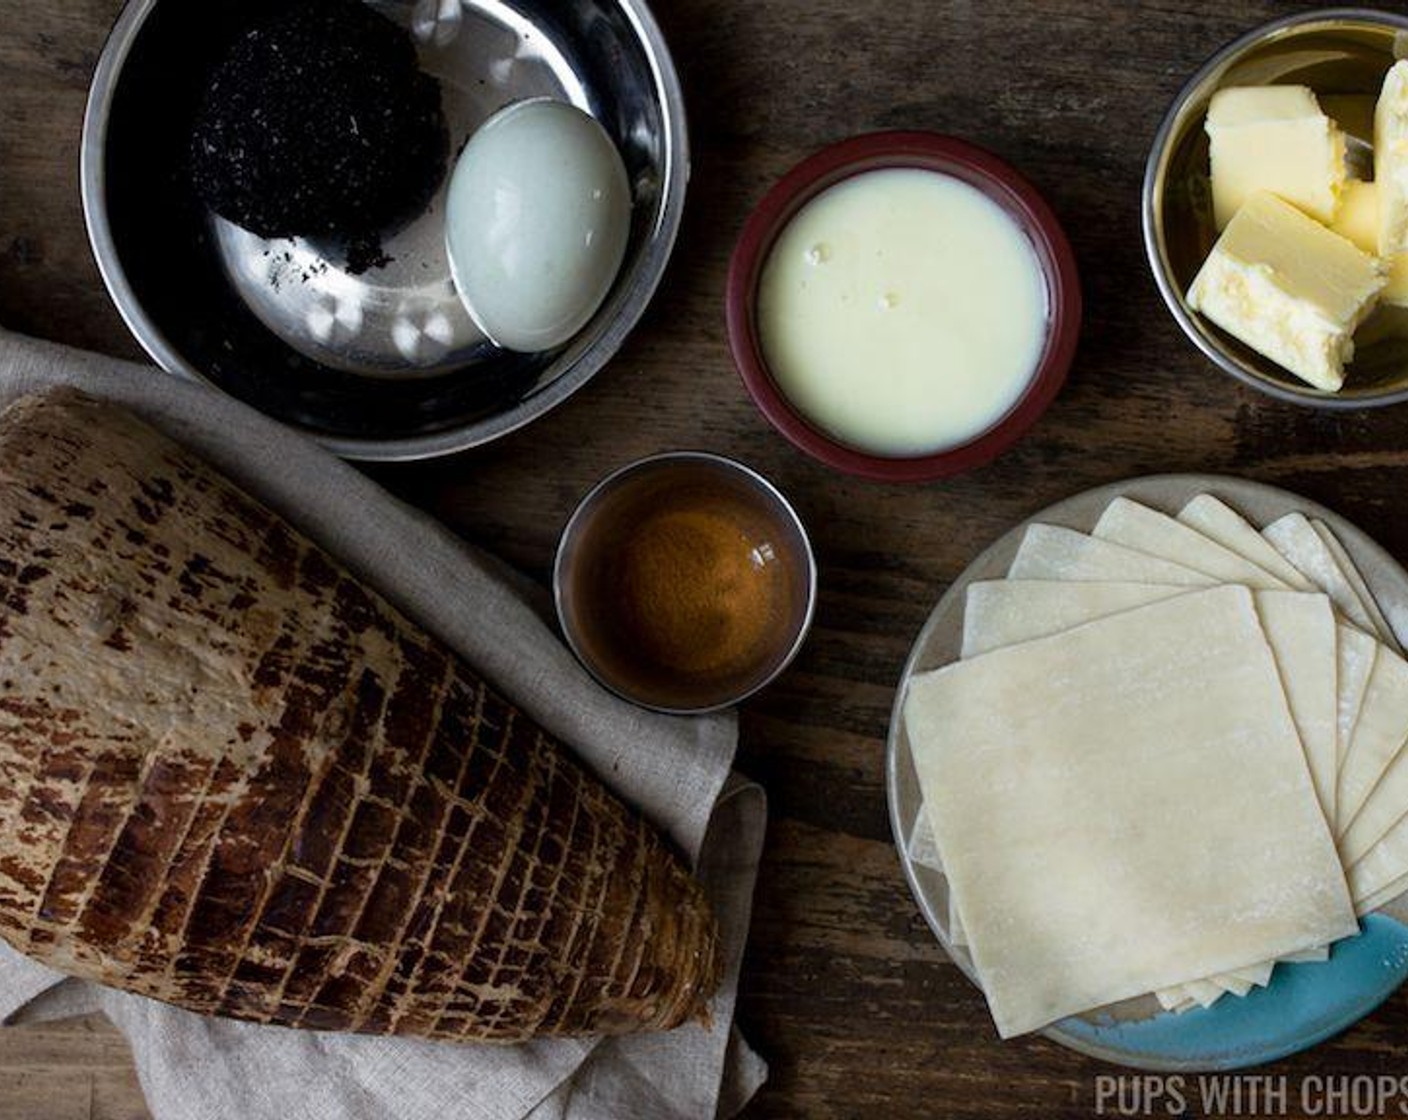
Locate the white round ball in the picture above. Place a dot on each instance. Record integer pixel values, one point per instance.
(536, 223)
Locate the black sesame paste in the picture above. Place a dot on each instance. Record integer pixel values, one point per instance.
(320, 123)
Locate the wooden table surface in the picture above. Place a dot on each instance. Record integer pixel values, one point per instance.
(844, 990)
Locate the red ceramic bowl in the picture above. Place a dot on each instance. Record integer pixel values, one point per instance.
(930, 152)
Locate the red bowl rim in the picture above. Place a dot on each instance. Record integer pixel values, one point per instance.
(929, 151)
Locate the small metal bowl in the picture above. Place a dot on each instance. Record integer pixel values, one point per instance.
(925, 151)
(1339, 51)
(386, 364)
(592, 588)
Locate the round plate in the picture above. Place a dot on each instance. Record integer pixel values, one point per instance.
(1304, 1003)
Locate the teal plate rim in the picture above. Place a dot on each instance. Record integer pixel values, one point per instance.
(1302, 1006)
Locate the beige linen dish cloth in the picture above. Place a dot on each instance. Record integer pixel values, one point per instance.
(676, 770)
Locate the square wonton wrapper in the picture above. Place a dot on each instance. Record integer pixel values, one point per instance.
(1138, 527)
(1124, 807)
(1300, 628)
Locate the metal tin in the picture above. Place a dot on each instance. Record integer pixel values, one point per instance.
(383, 365)
(675, 472)
(1333, 51)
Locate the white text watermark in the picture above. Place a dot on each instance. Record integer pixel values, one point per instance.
(1251, 1095)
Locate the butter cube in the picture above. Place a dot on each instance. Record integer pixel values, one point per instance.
(1358, 219)
(1358, 215)
(1273, 138)
(1391, 160)
(1289, 288)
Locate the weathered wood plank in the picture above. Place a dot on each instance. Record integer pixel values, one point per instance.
(75, 1069)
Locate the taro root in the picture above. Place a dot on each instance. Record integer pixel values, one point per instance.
(234, 778)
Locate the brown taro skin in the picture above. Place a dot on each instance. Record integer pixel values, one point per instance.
(235, 779)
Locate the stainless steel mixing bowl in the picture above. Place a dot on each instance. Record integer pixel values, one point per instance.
(1340, 52)
(385, 364)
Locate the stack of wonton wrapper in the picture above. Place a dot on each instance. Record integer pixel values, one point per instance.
(1171, 755)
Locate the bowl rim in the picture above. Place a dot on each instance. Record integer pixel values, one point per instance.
(648, 463)
(927, 151)
(657, 250)
(1151, 217)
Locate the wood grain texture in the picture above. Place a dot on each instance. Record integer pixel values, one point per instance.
(79, 1069)
(843, 989)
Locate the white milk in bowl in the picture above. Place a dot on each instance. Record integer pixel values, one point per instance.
(902, 311)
